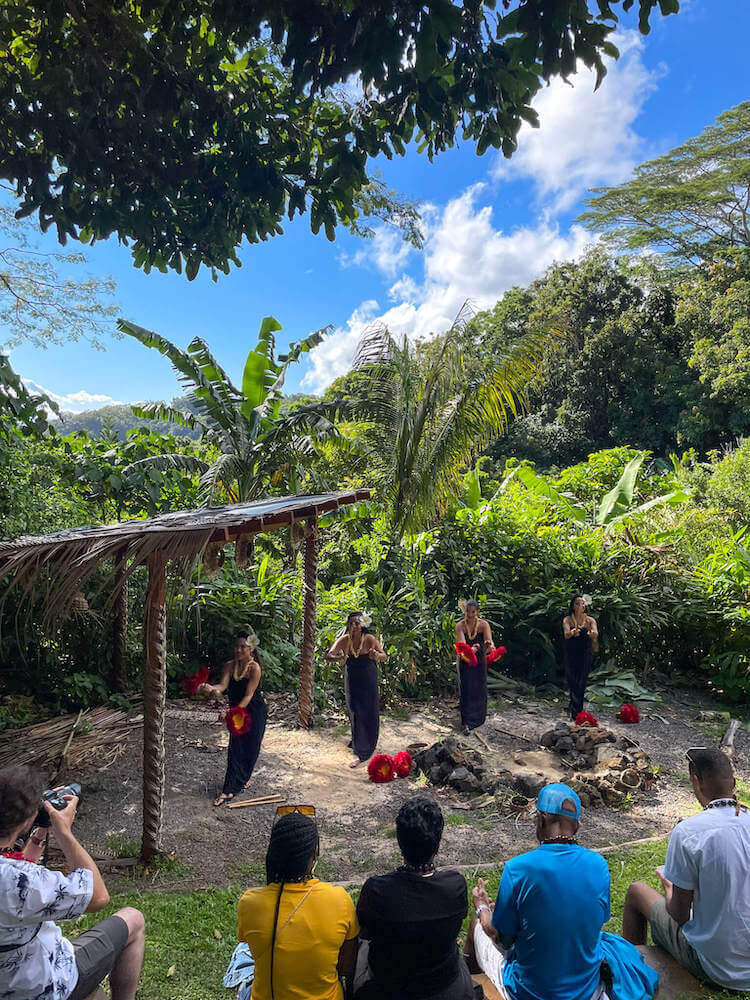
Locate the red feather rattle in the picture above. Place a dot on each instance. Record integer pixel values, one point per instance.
(380, 769)
(628, 713)
(497, 654)
(403, 763)
(191, 684)
(586, 719)
(238, 720)
(466, 653)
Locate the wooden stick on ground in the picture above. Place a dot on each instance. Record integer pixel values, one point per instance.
(727, 740)
(263, 800)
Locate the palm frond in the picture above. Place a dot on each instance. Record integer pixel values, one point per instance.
(221, 472)
(189, 373)
(160, 411)
(168, 462)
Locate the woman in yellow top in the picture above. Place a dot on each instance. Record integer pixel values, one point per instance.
(301, 932)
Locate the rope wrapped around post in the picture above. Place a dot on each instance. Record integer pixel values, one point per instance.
(120, 610)
(306, 667)
(154, 698)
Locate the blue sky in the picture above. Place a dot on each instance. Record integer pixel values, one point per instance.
(490, 223)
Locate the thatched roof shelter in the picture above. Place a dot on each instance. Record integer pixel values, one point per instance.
(59, 565)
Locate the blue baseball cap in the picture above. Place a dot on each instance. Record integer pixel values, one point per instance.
(551, 798)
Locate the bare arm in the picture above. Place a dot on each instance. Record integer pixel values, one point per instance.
(348, 958)
(679, 901)
(75, 855)
(593, 630)
(337, 652)
(253, 680)
(488, 640)
(375, 650)
(220, 688)
(569, 629)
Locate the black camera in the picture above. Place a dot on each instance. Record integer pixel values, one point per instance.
(56, 798)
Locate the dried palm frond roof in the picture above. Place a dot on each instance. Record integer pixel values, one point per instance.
(64, 561)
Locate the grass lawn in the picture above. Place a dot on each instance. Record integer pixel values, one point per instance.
(190, 936)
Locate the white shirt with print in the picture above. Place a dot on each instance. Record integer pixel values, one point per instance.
(710, 855)
(43, 966)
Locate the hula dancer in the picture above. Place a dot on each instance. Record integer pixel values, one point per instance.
(360, 649)
(581, 642)
(241, 681)
(475, 635)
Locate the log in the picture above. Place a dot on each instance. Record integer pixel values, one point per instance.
(120, 622)
(727, 740)
(307, 666)
(154, 699)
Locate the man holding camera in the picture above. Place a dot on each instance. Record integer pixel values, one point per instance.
(36, 961)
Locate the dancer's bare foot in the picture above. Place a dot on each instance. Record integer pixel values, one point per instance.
(221, 799)
(355, 762)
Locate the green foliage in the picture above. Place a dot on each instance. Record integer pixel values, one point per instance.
(249, 100)
(690, 203)
(430, 413)
(257, 447)
(40, 303)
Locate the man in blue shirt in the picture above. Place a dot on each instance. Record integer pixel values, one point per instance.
(543, 939)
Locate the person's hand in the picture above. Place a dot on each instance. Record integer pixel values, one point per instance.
(61, 820)
(479, 895)
(475, 647)
(665, 883)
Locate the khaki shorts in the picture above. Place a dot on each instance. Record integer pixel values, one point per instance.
(667, 933)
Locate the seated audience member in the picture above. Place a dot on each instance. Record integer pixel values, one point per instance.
(302, 932)
(35, 959)
(703, 918)
(410, 919)
(543, 938)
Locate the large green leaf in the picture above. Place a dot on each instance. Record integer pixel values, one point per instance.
(261, 369)
(620, 496)
(538, 484)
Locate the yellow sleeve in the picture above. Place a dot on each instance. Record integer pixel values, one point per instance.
(242, 922)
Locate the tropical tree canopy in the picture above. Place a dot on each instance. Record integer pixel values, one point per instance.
(258, 446)
(431, 413)
(690, 203)
(186, 126)
(39, 302)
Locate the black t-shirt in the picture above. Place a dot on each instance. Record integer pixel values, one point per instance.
(412, 923)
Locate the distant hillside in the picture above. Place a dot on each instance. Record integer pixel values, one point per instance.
(121, 420)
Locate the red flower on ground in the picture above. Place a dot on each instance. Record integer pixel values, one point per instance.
(586, 719)
(238, 720)
(628, 713)
(381, 769)
(466, 653)
(191, 684)
(403, 763)
(497, 654)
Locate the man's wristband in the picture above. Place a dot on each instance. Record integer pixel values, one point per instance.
(482, 906)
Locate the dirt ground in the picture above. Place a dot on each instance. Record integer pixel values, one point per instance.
(218, 847)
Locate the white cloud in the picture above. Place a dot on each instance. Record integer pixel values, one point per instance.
(586, 136)
(387, 251)
(73, 402)
(465, 257)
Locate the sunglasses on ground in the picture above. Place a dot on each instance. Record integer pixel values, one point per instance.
(302, 810)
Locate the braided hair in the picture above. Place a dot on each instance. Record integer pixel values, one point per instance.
(293, 845)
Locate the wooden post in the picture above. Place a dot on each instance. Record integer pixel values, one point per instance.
(120, 610)
(306, 666)
(154, 698)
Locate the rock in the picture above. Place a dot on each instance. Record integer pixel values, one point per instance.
(565, 744)
(463, 780)
(529, 783)
(435, 775)
(548, 739)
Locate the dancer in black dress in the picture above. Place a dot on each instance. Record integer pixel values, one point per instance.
(472, 681)
(241, 681)
(581, 637)
(360, 649)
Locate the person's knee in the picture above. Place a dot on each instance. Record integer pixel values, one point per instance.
(639, 896)
(135, 921)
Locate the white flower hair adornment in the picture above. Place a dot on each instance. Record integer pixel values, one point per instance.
(587, 600)
(252, 641)
(462, 605)
(365, 619)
